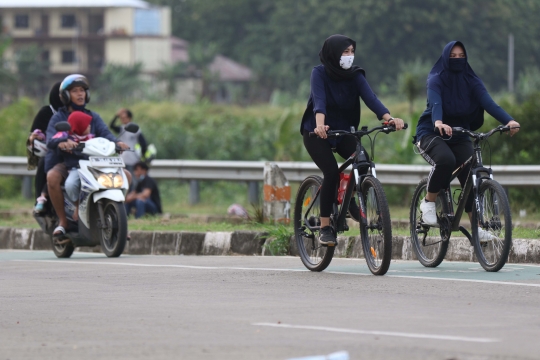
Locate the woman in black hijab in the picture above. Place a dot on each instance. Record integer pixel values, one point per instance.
(457, 97)
(334, 104)
(37, 131)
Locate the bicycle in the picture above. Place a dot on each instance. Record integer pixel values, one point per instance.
(371, 211)
(491, 212)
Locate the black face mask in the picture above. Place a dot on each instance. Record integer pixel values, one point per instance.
(457, 65)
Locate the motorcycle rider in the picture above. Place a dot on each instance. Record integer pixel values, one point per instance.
(75, 95)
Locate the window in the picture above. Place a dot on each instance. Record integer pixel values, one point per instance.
(45, 56)
(68, 56)
(68, 21)
(21, 21)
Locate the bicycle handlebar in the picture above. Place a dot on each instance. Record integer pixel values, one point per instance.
(336, 133)
(482, 136)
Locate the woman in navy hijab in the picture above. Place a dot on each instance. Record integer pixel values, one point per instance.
(456, 97)
(336, 87)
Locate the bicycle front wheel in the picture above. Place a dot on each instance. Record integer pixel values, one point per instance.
(376, 230)
(315, 256)
(428, 245)
(492, 230)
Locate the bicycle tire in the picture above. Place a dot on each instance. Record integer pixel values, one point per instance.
(492, 254)
(432, 252)
(314, 256)
(376, 232)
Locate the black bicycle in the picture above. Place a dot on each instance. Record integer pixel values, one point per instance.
(491, 214)
(361, 197)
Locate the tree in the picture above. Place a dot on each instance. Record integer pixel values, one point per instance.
(120, 82)
(412, 81)
(32, 71)
(170, 73)
(8, 79)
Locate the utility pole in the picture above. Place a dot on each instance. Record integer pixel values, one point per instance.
(511, 63)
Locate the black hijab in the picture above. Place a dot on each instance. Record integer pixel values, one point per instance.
(455, 81)
(41, 121)
(330, 55)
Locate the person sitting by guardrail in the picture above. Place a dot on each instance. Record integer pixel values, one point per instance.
(145, 198)
(75, 95)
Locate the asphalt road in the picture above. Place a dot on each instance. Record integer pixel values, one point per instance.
(183, 307)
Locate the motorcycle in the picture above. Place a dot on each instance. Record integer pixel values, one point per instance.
(102, 216)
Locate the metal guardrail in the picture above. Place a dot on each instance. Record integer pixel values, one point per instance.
(506, 175)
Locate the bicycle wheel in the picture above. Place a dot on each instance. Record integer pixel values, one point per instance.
(495, 218)
(307, 209)
(376, 231)
(428, 245)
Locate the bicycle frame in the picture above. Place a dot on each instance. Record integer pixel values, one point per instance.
(359, 162)
(473, 182)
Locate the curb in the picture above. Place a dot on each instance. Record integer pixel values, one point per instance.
(252, 243)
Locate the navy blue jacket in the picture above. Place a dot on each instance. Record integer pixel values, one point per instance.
(339, 101)
(434, 112)
(97, 127)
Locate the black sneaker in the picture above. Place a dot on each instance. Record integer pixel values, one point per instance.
(327, 236)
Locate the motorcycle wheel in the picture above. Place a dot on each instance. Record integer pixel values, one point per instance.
(113, 234)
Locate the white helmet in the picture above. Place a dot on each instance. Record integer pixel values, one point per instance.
(38, 148)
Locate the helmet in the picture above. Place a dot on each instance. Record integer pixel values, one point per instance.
(38, 148)
(70, 82)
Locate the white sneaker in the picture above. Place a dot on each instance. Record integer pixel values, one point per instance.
(429, 212)
(485, 235)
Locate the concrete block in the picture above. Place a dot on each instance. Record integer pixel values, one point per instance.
(217, 243)
(357, 249)
(21, 239)
(460, 249)
(247, 242)
(342, 246)
(140, 243)
(397, 247)
(165, 243)
(41, 241)
(525, 251)
(191, 243)
(293, 247)
(90, 249)
(5, 238)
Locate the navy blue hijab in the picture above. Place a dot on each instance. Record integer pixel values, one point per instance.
(456, 82)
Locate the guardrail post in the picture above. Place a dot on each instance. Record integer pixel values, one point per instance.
(27, 187)
(277, 195)
(253, 192)
(194, 190)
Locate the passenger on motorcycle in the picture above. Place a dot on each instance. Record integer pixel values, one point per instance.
(80, 132)
(75, 95)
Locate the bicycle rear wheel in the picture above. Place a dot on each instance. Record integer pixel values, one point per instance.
(315, 256)
(428, 245)
(495, 218)
(376, 231)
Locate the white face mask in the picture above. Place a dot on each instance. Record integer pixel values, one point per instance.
(346, 61)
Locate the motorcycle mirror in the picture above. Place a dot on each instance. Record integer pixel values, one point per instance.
(62, 126)
(131, 127)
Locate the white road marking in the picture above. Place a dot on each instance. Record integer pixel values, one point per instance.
(197, 267)
(381, 333)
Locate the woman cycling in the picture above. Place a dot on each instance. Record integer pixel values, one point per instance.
(334, 104)
(456, 97)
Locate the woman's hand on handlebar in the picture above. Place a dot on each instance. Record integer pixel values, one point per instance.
(514, 127)
(321, 130)
(397, 123)
(443, 128)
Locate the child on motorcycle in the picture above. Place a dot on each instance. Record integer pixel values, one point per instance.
(80, 132)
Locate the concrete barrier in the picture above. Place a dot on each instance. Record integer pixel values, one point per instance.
(253, 243)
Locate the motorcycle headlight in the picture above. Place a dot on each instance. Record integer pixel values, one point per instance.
(110, 180)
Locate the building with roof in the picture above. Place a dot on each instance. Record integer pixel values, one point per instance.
(83, 35)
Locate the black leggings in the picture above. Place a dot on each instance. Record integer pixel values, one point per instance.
(445, 158)
(41, 178)
(321, 152)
